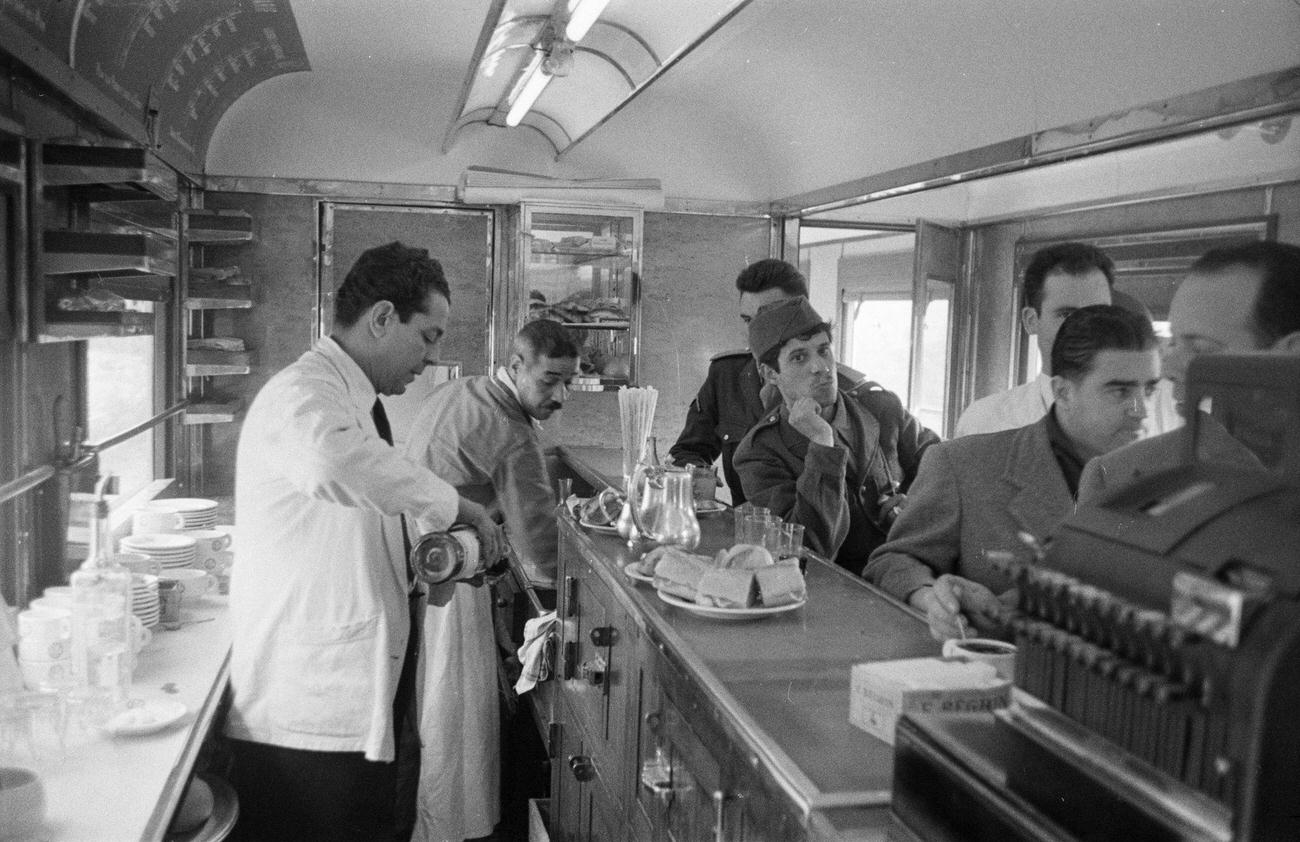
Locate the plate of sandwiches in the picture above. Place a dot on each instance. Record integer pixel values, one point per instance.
(633, 571)
(740, 583)
(599, 513)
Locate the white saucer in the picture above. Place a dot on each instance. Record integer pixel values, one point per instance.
(148, 718)
(636, 575)
(715, 613)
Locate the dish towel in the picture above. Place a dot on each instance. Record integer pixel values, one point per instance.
(536, 652)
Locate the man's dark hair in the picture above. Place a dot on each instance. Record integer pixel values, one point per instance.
(1090, 330)
(768, 273)
(543, 337)
(1071, 258)
(1277, 304)
(773, 357)
(399, 274)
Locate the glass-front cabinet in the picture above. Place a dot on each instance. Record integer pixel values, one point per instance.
(580, 265)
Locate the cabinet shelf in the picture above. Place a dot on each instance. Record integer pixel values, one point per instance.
(212, 413)
(597, 325)
(68, 252)
(71, 325)
(214, 227)
(214, 370)
(123, 172)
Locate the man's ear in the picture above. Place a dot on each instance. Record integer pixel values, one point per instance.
(381, 317)
(1289, 344)
(1061, 391)
(767, 373)
(1029, 319)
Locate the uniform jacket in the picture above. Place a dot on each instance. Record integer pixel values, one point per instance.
(832, 492)
(972, 495)
(318, 592)
(727, 405)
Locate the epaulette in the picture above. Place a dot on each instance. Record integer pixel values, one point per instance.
(743, 352)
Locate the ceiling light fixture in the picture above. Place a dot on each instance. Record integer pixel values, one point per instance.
(582, 14)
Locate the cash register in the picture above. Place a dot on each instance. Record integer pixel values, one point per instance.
(1158, 667)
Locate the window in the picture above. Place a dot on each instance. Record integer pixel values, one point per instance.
(120, 378)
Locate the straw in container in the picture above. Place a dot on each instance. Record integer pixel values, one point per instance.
(636, 412)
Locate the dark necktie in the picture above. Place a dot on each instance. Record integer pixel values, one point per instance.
(380, 417)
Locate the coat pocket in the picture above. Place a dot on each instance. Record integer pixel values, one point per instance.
(325, 677)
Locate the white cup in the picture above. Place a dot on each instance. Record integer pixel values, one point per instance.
(195, 582)
(43, 649)
(51, 603)
(229, 529)
(209, 543)
(148, 520)
(999, 653)
(45, 624)
(43, 675)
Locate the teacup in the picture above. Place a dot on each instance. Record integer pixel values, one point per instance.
(43, 649)
(45, 675)
(150, 520)
(195, 583)
(1000, 654)
(55, 596)
(45, 624)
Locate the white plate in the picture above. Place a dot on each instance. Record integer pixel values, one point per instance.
(633, 573)
(708, 507)
(148, 718)
(160, 543)
(186, 504)
(715, 613)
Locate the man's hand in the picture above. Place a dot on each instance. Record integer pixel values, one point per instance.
(948, 601)
(491, 540)
(805, 416)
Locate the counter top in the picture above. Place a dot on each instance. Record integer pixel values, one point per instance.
(107, 788)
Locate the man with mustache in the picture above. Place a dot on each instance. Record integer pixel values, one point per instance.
(481, 435)
(840, 464)
(977, 494)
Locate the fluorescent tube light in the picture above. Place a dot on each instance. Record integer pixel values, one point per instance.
(582, 14)
(534, 83)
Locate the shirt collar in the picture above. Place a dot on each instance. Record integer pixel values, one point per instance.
(1044, 383)
(503, 377)
(359, 387)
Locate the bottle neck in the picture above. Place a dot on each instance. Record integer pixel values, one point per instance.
(101, 538)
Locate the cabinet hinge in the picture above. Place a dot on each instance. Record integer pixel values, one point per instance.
(553, 733)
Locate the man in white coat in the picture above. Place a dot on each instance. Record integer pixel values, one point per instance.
(320, 664)
(480, 434)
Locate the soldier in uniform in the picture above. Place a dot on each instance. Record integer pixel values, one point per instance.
(732, 398)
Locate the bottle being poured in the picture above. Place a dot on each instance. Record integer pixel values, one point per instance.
(102, 656)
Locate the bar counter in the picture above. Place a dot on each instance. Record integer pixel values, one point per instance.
(778, 686)
(107, 787)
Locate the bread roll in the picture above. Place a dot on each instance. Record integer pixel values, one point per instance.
(780, 584)
(727, 588)
(746, 557)
(679, 573)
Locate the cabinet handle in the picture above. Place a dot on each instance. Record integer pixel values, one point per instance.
(583, 769)
(604, 636)
(593, 671)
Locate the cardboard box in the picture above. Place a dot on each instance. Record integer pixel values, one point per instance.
(885, 690)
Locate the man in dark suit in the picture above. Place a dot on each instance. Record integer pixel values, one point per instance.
(732, 398)
(977, 494)
(1234, 299)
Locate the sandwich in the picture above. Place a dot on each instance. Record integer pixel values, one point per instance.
(679, 573)
(744, 557)
(780, 584)
(727, 588)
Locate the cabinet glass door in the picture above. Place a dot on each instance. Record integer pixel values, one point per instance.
(580, 267)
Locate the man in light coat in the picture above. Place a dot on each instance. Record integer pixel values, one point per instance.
(321, 663)
(1234, 299)
(480, 434)
(977, 494)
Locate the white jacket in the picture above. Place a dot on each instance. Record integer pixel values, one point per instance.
(318, 592)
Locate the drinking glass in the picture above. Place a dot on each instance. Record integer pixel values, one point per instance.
(740, 513)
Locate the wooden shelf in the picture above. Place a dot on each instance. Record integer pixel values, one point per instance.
(624, 325)
(228, 300)
(214, 370)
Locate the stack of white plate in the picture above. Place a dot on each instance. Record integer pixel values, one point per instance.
(168, 549)
(144, 598)
(195, 512)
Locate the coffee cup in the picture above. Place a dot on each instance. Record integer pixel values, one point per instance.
(998, 653)
(195, 583)
(46, 675)
(44, 649)
(208, 544)
(149, 520)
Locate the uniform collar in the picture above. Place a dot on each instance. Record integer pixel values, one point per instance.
(1044, 383)
(503, 377)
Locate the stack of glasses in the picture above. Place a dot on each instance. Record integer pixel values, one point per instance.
(757, 525)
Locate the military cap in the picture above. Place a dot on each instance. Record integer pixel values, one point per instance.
(779, 322)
